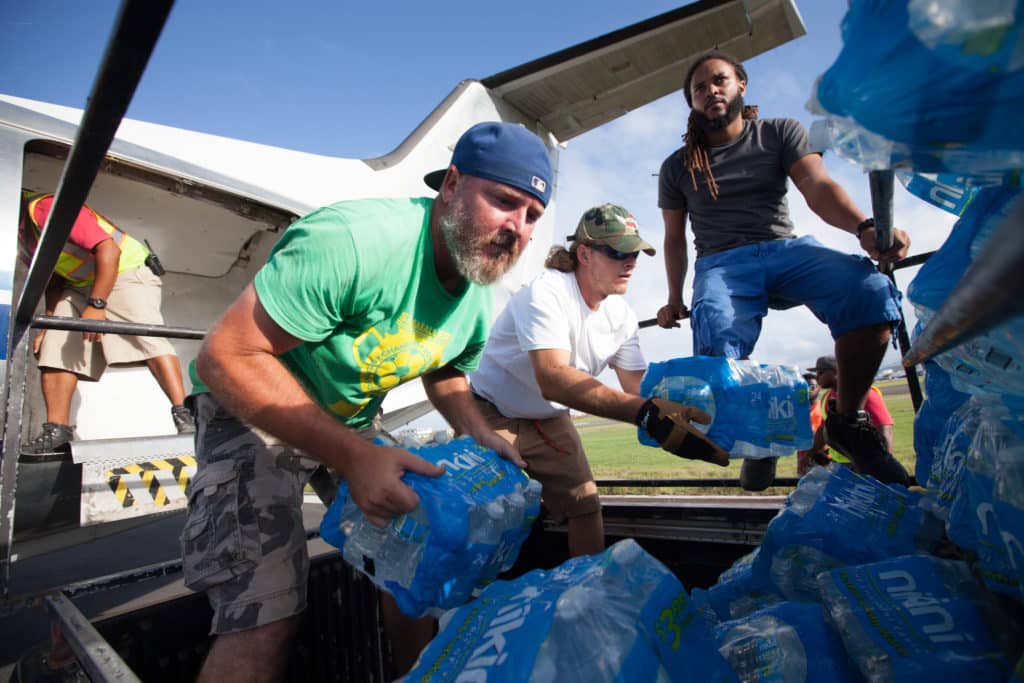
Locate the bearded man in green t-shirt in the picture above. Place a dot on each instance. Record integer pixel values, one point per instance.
(355, 299)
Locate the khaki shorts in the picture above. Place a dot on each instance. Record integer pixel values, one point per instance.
(134, 299)
(244, 541)
(554, 456)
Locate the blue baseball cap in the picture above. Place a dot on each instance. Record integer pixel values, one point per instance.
(507, 153)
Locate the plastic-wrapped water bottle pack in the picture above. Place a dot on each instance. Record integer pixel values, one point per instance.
(468, 527)
(757, 410)
(944, 48)
(918, 618)
(616, 616)
(789, 641)
(990, 365)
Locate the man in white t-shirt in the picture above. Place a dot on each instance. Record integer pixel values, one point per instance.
(544, 352)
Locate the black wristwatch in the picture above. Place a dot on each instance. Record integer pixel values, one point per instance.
(96, 303)
(864, 225)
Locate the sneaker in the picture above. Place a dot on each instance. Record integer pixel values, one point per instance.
(183, 421)
(757, 475)
(855, 437)
(53, 436)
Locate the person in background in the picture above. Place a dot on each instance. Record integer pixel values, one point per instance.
(804, 459)
(730, 179)
(355, 298)
(102, 274)
(544, 353)
(828, 379)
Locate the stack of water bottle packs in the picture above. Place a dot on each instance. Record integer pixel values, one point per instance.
(616, 616)
(756, 410)
(864, 553)
(468, 527)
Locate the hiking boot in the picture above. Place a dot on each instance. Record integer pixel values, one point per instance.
(757, 475)
(53, 436)
(183, 421)
(855, 437)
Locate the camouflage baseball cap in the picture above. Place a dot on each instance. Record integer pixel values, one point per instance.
(612, 225)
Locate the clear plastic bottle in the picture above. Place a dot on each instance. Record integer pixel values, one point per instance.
(758, 411)
(393, 551)
(764, 648)
(691, 391)
(809, 489)
(603, 609)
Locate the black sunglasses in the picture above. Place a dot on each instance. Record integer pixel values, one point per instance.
(614, 254)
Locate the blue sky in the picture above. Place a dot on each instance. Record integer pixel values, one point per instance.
(328, 76)
(352, 79)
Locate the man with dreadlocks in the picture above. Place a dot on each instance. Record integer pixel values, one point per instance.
(730, 178)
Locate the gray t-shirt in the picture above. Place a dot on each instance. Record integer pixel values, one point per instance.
(751, 173)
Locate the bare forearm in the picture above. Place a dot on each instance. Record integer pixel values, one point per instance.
(108, 258)
(257, 388)
(676, 264)
(827, 199)
(580, 391)
(52, 295)
(449, 392)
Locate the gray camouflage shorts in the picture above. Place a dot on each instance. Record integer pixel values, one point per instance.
(244, 542)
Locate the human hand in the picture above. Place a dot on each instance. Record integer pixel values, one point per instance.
(374, 477)
(668, 423)
(670, 314)
(494, 441)
(37, 342)
(898, 251)
(91, 313)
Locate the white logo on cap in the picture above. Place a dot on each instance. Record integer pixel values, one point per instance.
(538, 184)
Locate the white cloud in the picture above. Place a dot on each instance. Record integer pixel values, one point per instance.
(619, 163)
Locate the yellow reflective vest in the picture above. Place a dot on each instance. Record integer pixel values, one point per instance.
(76, 264)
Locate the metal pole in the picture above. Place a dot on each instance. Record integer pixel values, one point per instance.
(882, 184)
(52, 322)
(95, 655)
(136, 30)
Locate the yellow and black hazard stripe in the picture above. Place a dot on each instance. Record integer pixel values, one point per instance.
(118, 478)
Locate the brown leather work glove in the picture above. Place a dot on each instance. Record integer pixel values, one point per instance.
(668, 423)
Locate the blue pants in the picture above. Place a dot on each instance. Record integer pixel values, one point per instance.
(734, 289)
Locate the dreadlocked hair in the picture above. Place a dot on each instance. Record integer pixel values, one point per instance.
(694, 153)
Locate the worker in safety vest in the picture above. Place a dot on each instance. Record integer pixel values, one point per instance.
(875, 407)
(804, 461)
(102, 274)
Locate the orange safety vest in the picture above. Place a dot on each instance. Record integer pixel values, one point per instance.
(75, 264)
(823, 401)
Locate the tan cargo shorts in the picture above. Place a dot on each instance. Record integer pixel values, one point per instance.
(554, 456)
(244, 542)
(136, 298)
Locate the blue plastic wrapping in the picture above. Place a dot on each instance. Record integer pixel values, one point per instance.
(834, 518)
(955, 105)
(929, 423)
(468, 527)
(757, 410)
(916, 618)
(789, 641)
(618, 616)
(993, 362)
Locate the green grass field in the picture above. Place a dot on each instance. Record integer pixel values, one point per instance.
(615, 453)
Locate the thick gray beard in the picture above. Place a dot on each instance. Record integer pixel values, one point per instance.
(467, 251)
